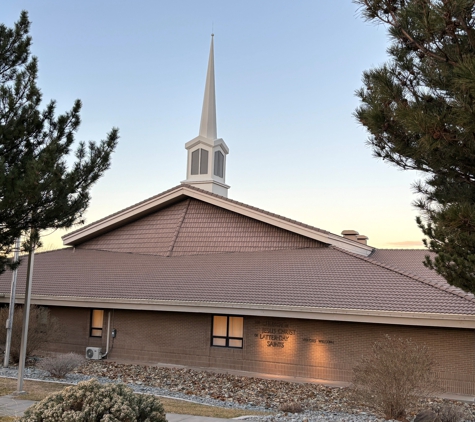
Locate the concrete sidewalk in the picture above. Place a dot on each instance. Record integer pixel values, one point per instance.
(12, 406)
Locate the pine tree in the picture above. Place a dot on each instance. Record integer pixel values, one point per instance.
(419, 108)
(38, 190)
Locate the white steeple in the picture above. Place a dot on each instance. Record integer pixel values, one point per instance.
(208, 114)
(206, 166)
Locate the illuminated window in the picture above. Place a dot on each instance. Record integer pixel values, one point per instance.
(97, 320)
(227, 331)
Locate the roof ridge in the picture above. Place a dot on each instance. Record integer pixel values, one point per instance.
(439, 285)
(45, 252)
(84, 250)
(178, 227)
(401, 249)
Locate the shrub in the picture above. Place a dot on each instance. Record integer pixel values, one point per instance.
(90, 401)
(393, 376)
(292, 407)
(60, 365)
(42, 328)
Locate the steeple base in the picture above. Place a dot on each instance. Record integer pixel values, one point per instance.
(210, 185)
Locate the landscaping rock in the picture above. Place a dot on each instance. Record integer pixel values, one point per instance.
(427, 416)
(318, 402)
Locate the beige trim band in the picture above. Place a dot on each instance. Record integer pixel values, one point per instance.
(327, 314)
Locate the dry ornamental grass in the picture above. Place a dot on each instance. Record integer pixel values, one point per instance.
(42, 328)
(62, 364)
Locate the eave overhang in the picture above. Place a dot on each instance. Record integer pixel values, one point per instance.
(262, 310)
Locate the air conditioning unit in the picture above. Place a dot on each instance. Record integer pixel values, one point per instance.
(93, 353)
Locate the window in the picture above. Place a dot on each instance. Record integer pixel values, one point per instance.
(199, 161)
(227, 331)
(204, 161)
(97, 320)
(219, 164)
(195, 162)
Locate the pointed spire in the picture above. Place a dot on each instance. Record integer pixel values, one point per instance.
(208, 115)
(206, 164)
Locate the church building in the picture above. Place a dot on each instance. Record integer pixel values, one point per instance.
(192, 277)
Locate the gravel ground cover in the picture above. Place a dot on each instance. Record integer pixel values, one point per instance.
(318, 402)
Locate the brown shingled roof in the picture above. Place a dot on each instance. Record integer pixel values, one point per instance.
(127, 208)
(415, 272)
(409, 260)
(179, 193)
(193, 227)
(206, 193)
(314, 278)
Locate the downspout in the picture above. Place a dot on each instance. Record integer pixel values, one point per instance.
(108, 335)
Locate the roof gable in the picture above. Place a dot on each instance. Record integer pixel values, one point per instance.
(153, 234)
(194, 227)
(179, 193)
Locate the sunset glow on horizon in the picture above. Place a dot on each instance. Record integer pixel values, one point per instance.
(285, 81)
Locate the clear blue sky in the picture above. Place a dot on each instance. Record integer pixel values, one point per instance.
(286, 73)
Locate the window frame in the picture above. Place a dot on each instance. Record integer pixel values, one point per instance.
(92, 328)
(227, 337)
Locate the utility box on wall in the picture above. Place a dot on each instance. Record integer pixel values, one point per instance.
(93, 353)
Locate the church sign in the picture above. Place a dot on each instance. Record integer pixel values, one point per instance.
(278, 333)
(273, 333)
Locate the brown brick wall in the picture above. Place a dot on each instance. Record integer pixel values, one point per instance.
(304, 348)
(76, 326)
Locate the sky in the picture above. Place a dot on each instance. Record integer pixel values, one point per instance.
(286, 75)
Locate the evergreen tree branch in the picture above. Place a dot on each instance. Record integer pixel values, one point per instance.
(38, 190)
(420, 113)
